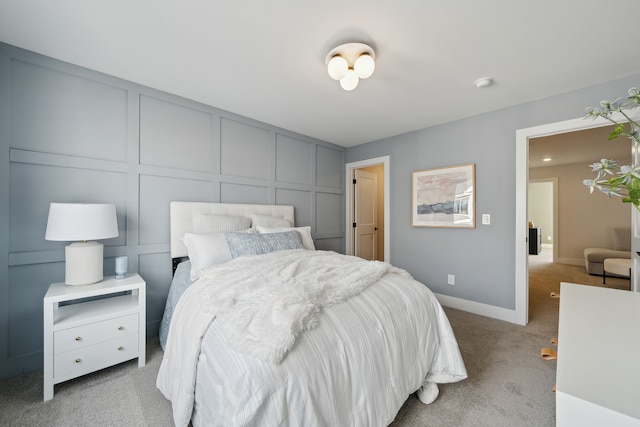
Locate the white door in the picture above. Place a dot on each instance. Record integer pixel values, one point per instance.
(365, 214)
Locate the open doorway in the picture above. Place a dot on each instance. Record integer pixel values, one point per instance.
(523, 139)
(543, 215)
(368, 217)
(379, 227)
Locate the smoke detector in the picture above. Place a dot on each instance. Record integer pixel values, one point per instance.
(483, 82)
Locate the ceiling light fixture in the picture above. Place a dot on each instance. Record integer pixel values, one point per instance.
(483, 82)
(349, 63)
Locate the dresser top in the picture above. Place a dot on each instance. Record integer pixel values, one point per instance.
(599, 346)
(63, 292)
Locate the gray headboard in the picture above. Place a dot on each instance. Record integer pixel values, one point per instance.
(182, 215)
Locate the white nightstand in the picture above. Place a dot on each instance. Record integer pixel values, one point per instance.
(86, 336)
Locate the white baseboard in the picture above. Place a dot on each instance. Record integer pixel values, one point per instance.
(478, 308)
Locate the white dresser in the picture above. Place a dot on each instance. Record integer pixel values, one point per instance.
(598, 371)
(86, 335)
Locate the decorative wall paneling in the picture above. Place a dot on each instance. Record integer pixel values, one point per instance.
(68, 134)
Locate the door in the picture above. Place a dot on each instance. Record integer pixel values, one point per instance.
(365, 185)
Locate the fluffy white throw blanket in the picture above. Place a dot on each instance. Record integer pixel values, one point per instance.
(263, 302)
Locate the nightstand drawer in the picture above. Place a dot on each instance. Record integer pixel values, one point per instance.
(94, 333)
(89, 359)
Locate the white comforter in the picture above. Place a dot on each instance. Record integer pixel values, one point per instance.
(276, 296)
(356, 368)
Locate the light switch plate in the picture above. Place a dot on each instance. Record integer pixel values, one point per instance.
(486, 219)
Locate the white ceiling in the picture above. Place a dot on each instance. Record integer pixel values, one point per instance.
(265, 59)
(584, 146)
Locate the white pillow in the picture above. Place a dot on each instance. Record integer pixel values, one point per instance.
(305, 232)
(206, 250)
(210, 223)
(269, 221)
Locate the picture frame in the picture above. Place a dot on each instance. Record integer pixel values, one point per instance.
(444, 197)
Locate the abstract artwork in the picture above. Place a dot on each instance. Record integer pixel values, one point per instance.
(444, 197)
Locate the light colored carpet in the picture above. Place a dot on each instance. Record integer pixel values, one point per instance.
(509, 384)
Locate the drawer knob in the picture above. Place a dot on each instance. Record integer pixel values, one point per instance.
(120, 347)
(78, 360)
(120, 328)
(78, 338)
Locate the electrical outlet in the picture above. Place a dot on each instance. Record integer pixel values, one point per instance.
(549, 238)
(486, 219)
(451, 279)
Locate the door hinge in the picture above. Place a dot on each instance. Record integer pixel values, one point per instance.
(354, 180)
(354, 225)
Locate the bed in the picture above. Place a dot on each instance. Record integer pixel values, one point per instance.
(262, 329)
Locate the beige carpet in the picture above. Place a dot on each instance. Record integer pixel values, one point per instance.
(508, 385)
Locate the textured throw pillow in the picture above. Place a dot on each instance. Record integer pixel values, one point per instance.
(305, 233)
(214, 223)
(257, 244)
(269, 221)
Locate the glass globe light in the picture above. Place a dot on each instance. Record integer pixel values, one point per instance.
(337, 67)
(350, 81)
(364, 66)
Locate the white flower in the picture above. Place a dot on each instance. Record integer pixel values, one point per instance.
(605, 166)
(624, 179)
(610, 191)
(629, 173)
(591, 184)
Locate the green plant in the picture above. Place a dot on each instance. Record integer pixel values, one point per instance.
(612, 179)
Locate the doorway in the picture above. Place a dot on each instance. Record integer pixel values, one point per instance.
(380, 168)
(543, 212)
(523, 136)
(368, 213)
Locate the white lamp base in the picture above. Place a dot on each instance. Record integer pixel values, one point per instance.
(83, 263)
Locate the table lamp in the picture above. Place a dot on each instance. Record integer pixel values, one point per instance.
(79, 223)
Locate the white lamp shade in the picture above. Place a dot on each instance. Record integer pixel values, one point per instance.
(337, 67)
(350, 81)
(364, 66)
(81, 222)
(77, 222)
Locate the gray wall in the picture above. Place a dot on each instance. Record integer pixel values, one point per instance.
(69, 134)
(482, 259)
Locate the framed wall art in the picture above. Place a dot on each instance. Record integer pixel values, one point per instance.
(444, 197)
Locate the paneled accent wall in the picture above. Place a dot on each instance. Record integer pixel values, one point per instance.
(68, 134)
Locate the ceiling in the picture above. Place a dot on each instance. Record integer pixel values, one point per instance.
(265, 59)
(584, 146)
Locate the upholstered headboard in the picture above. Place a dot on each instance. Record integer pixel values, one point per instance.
(182, 216)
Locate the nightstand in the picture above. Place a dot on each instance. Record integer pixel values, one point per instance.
(83, 336)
